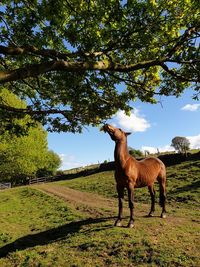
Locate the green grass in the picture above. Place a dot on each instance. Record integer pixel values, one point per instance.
(37, 229)
(183, 184)
(101, 183)
(25, 212)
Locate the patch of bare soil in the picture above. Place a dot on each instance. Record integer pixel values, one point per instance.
(84, 201)
(96, 205)
(72, 195)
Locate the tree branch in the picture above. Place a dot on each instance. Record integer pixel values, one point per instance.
(176, 75)
(50, 53)
(35, 70)
(33, 112)
(181, 41)
(189, 62)
(22, 50)
(132, 83)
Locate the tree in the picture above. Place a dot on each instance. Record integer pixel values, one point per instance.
(181, 144)
(67, 57)
(53, 161)
(135, 152)
(17, 125)
(27, 155)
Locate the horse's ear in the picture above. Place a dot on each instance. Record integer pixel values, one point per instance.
(128, 133)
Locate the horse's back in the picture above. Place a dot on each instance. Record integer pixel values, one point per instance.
(151, 162)
(149, 170)
(141, 173)
(152, 165)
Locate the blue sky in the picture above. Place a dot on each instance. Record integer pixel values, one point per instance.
(152, 127)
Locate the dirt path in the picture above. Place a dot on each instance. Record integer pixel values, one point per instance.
(84, 201)
(95, 205)
(79, 197)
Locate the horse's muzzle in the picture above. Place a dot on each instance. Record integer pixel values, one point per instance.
(104, 128)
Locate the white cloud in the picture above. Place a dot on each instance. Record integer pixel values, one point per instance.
(191, 107)
(154, 150)
(133, 123)
(70, 162)
(194, 141)
(194, 144)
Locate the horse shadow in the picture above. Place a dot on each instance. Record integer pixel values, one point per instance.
(48, 236)
(191, 187)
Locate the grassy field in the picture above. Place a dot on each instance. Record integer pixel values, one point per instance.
(41, 229)
(183, 184)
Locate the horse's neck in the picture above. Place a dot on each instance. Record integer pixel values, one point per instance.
(121, 153)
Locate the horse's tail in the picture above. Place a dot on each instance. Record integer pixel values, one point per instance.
(162, 186)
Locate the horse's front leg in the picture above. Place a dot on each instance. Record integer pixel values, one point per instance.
(120, 191)
(131, 204)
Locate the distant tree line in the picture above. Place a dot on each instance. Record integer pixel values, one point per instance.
(24, 152)
(180, 144)
(135, 152)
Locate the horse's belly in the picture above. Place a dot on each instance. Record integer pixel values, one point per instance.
(139, 185)
(142, 182)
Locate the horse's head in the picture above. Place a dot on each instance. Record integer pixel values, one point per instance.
(116, 134)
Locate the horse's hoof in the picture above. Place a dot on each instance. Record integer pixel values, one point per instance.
(150, 215)
(118, 224)
(163, 216)
(130, 225)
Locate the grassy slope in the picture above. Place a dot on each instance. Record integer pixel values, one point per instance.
(183, 184)
(46, 232)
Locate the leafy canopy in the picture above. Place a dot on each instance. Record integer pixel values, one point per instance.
(67, 58)
(135, 152)
(181, 144)
(27, 155)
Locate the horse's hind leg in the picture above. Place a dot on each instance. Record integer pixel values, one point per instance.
(162, 183)
(152, 193)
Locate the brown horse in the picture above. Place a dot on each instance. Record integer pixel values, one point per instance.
(131, 173)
